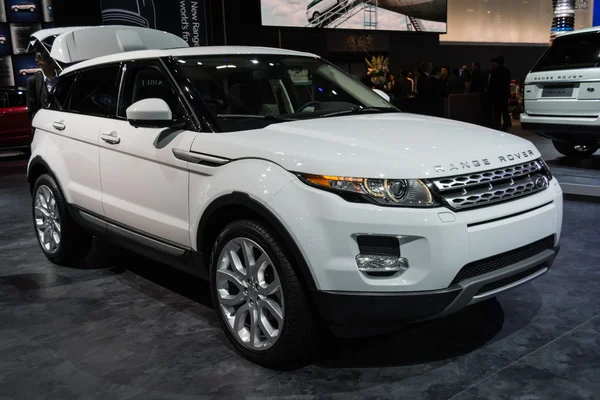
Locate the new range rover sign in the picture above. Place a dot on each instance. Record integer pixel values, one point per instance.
(185, 18)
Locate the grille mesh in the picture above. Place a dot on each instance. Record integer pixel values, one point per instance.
(480, 189)
(499, 261)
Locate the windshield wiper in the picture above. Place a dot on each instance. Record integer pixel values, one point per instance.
(358, 110)
(267, 116)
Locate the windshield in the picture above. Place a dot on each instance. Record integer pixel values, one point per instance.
(251, 91)
(571, 52)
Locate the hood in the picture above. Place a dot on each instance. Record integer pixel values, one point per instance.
(394, 145)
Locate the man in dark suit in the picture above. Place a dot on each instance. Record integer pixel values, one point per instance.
(499, 93)
(478, 78)
(41, 84)
(437, 92)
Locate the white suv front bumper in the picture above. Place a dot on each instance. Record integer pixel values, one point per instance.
(437, 243)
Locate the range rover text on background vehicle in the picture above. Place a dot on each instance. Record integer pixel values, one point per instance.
(299, 193)
(562, 94)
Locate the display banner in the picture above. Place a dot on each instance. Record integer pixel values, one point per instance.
(596, 13)
(184, 18)
(18, 20)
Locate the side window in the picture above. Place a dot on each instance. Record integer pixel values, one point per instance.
(4, 100)
(96, 92)
(58, 100)
(146, 80)
(12, 98)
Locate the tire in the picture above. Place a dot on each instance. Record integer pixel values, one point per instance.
(24, 73)
(316, 16)
(297, 335)
(15, 9)
(573, 150)
(73, 243)
(32, 9)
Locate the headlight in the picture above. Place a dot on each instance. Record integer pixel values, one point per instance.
(546, 169)
(388, 192)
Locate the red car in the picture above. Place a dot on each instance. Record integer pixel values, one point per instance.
(15, 127)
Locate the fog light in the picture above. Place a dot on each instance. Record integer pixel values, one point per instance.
(377, 264)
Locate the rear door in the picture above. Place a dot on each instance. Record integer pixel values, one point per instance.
(74, 118)
(566, 80)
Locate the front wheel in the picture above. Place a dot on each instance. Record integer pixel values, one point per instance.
(573, 150)
(32, 9)
(258, 297)
(62, 241)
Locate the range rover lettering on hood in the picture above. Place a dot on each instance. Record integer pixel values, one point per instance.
(552, 78)
(482, 162)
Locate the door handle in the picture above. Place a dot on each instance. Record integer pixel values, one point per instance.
(111, 138)
(59, 125)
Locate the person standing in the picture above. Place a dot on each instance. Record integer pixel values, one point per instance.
(478, 78)
(423, 89)
(40, 85)
(499, 93)
(408, 76)
(437, 93)
(506, 79)
(456, 84)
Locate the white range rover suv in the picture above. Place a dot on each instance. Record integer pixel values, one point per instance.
(300, 194)
(562, 94)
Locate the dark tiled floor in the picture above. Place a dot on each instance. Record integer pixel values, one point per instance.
(124, 327)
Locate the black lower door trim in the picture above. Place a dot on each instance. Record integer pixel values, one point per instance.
(139, 242)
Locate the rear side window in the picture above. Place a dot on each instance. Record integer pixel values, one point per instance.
(12, 98)
(96, 92)
(58, 100)
(571, 52)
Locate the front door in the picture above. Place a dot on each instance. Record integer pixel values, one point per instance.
(145, 187)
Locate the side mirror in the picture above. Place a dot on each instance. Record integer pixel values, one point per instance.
(152, 113)
(383, 94)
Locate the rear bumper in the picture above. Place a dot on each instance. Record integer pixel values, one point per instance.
(364, 309)
(577, 130)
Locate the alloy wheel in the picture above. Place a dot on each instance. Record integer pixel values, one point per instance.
(47, 219)
(249, 293)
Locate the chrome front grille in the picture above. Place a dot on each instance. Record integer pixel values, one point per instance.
(494, 186)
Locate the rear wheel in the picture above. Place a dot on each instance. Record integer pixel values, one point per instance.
(258, 297)
(573, 150)
(61, 239)
(32, 9)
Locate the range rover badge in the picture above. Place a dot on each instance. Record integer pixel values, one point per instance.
(590, 89)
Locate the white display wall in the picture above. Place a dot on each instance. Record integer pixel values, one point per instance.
(506, 21)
